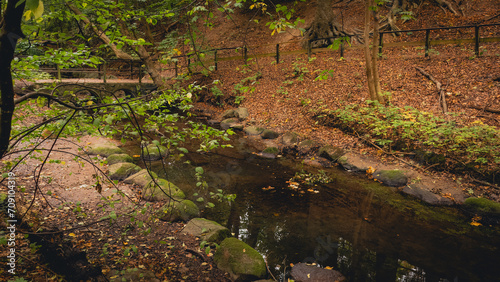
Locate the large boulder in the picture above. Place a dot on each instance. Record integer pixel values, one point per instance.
(121, 171)
(142, 178)
(104, 150)
(182, 210)
(154, 152)
(302, 272)
(119, 158)
(207, 230)
(392, 177)
(161, 190)
(239, 260)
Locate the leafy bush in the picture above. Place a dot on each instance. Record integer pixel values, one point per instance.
(476, 145)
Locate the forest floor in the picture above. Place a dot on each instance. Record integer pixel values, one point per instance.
(283, 98)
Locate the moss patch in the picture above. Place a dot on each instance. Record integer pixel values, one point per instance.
(483, 205)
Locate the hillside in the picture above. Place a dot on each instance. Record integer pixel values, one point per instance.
(289, 96)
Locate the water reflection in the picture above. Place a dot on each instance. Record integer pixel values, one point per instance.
(351, 230)
(365, 235)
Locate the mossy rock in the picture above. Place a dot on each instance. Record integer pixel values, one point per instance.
(483, 205)
(119, 158)
(154, 152)
(104, 150)
(269, 134)
(306, 146)
(179, 211)
(120, 171)
(241, 261)
(165, 191)
(290, 138)
(142, 178)
(271, 150)
(392, 177)
(253, 130)
(207, 230)
(331, 153)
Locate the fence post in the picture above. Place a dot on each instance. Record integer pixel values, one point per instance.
(131, 69)
(277, 53)
(189, 64)
(380, 43)
(476, 38)
(104, 68)
(309, 49)
(215, 59)
(140, 72)
(175, 66)
(341, 49)
(427, 32)
(245, 53)
(58, 68)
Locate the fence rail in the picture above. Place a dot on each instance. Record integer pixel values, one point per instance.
(188, 59)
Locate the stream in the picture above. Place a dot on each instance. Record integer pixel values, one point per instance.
(366, 231)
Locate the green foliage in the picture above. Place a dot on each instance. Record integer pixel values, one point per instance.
(476, 144)
(203, 191)
(324, 74)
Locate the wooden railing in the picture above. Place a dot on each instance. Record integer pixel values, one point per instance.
(186, 61)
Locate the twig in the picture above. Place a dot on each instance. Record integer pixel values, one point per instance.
(442, 97)
(388, 153)
(195, 253)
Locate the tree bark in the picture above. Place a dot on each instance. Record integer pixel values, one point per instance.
(151, 65)
(325, 25)
(371, 55)
(10, 32)
(119, 53)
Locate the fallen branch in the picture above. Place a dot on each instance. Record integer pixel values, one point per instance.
(485, 109)
(442, 98)
(485, 183)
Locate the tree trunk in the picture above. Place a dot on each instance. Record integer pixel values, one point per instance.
(10, 32)
(371, 56)
(151, 65)
(119, 53)
(324, 27)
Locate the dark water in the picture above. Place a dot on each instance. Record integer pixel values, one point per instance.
(366, 231)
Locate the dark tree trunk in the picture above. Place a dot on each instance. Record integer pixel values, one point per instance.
(10, 32)
(325, 25)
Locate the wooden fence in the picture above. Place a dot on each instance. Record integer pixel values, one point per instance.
(189, 61)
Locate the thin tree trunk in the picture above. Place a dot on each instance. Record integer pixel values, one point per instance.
(374, 55)
(368, 60)
(119, 53)
(10, 32)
